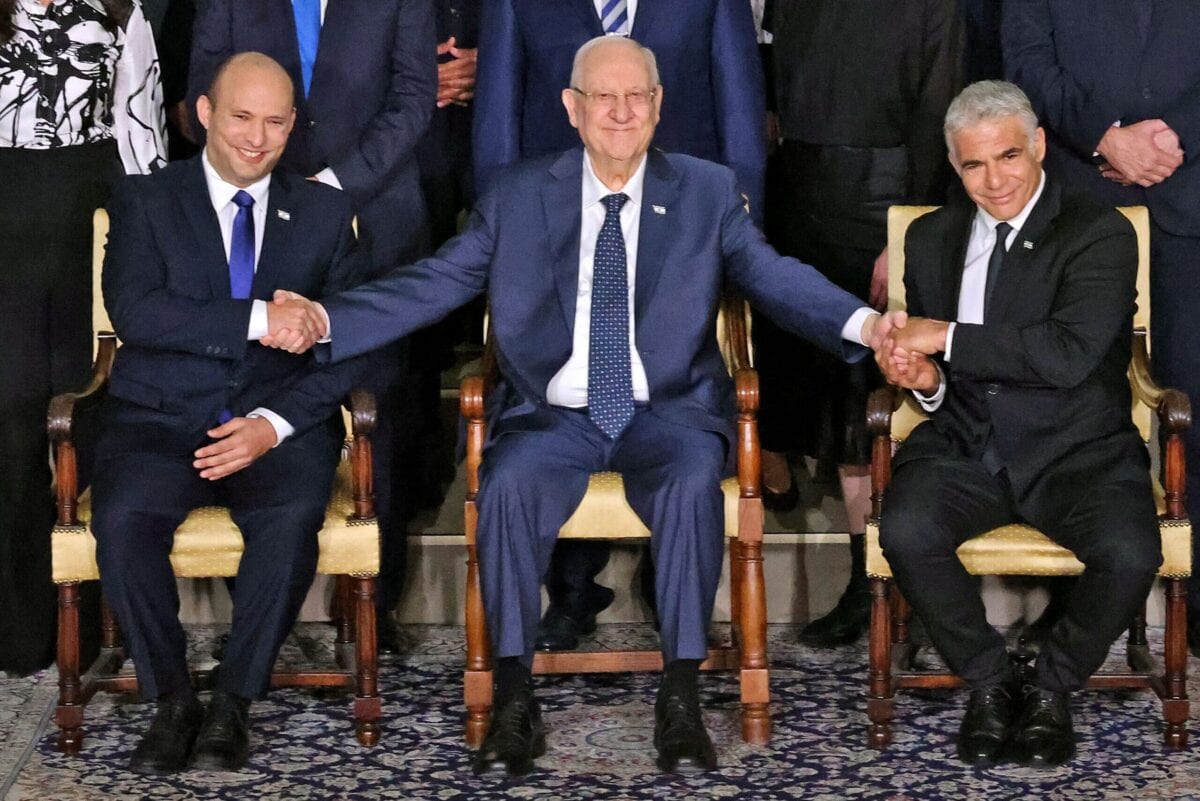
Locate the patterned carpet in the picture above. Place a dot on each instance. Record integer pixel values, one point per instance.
(599, 742)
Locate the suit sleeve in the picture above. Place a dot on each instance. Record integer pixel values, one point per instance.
(793, 294)
(739, 99)
(212, 43)
(391, 137)
(1061, 103)
(1184, 119)
(941, 77)
(499, 92)
(1093, 304)
(145, 311)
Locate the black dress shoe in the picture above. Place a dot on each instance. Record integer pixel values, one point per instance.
(222, 642)
(1044, 736)
(515, 737)
(224, 740)
(782, 501)
(985, 726)
(845, 623)
(165, 747)
(682, 741)
(564, 623)
(387, 634)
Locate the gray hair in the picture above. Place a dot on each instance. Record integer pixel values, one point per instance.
(599, 41)
(988, 100)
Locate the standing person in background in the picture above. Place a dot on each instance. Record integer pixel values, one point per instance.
(712, 108)
(365, 86)
(174, 39)
(982, 58)
(80, 105)
(862, 86)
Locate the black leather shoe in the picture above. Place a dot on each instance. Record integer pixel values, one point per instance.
(563, 624)
(218, 651)
(985, 726)
(224, 740)
(782, 501)
(515, 737)
(165, 747)
(682, 741)
(1044, 736)
(387, 634)
(844, 624)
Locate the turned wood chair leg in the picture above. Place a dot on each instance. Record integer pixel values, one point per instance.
(881, 699)
(110, 630)
(901, 615)
(754, 674)
(367, 705)
(343, 609)
(1175, 696)
(736, 570)
(477, 679)
(69, 714)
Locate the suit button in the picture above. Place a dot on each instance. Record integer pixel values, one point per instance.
(208, 349)
(993, 389)
(312, 123)
(1146, 93)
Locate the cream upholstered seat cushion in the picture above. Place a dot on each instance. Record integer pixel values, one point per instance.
(209, 544)
(604, 514)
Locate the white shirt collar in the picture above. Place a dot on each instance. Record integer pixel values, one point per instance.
(221, 192)
(594, 189)
(1018, 221)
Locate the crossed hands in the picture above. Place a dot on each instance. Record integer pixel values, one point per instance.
(903, 346)
(294, 323)
(1145, 153)
(456, 77)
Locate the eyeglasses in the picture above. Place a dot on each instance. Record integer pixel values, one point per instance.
(638, 99)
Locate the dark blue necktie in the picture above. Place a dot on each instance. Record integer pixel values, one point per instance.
(995, 265)
(308, 35)
(613, 16)
(610, 378)
(241, 259)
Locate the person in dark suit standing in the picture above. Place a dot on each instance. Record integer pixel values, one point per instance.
(713, 109)
(1018, 348)
(1125, 129)
(604, 267)
(199, 413)
(365, 85)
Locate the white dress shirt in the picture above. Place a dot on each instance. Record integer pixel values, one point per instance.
(221, 193)
(972, 290)
(630, 11)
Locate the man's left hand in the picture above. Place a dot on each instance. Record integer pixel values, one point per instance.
(456, 78)
(238, 443)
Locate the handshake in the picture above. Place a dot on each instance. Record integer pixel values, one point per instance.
(903, 346)
(294, 323)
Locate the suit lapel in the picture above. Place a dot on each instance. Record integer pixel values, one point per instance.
(562, 207)
(643, 21)
(276, 246)
(657, 227)
(336, 38)
(287, 46)
(206, 229)
(585, 10)
(1023, 248)
(953, 260)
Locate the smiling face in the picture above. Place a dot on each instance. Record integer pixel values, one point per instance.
(248, 114)
(1000, 167)
(615, 129)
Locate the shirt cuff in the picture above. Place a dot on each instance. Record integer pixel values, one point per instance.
(852, 330)
(949, 341)
(283, 429)
(930, 403)
(260, 326)
(328, 328)
(327, 177)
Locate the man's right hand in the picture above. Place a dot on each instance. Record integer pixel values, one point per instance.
(294, 323)
(1145, 153)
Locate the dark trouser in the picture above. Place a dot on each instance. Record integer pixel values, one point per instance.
(934, 505)
(531, 483)
(1174, 298)
(145, 486)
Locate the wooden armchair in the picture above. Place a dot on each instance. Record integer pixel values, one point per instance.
(1022, 550)
(208, 544)
(605, 514)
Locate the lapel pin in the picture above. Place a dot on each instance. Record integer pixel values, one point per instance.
(1027, 245)
(283, 215)
(659, 209)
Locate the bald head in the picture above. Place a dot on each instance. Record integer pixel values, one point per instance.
(604, 47)
(250, 67)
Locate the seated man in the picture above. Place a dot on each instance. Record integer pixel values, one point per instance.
(604, 267)
(1031, 293)
(201, 414)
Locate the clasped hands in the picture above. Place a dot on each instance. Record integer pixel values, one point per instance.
(1144, 153)
(903, 346)
(294, 322)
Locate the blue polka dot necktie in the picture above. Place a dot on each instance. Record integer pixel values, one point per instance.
(610, 379)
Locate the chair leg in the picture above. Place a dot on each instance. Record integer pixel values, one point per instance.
(367, 705)
(477, 678)
(1174, 685)
(343, 609)
(69, 714)
(881, 699)
(901, 614)
(754, 675)
(736, 570)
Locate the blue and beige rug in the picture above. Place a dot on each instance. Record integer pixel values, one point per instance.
(599, 742)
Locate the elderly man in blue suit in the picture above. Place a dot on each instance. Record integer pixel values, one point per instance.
(604, 267)
(714, 108)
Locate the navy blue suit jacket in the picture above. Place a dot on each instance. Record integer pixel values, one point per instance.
(374, 85)
(184, 355)
(714, 105)
(1086, 66)
(521, 244)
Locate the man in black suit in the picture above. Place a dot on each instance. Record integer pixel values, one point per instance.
(201, 414)
(1018, 347)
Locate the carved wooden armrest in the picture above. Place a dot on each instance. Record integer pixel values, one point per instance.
(749, 450)
(471, 406)
(363, 417)
(880, 405)
(1174, 412)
